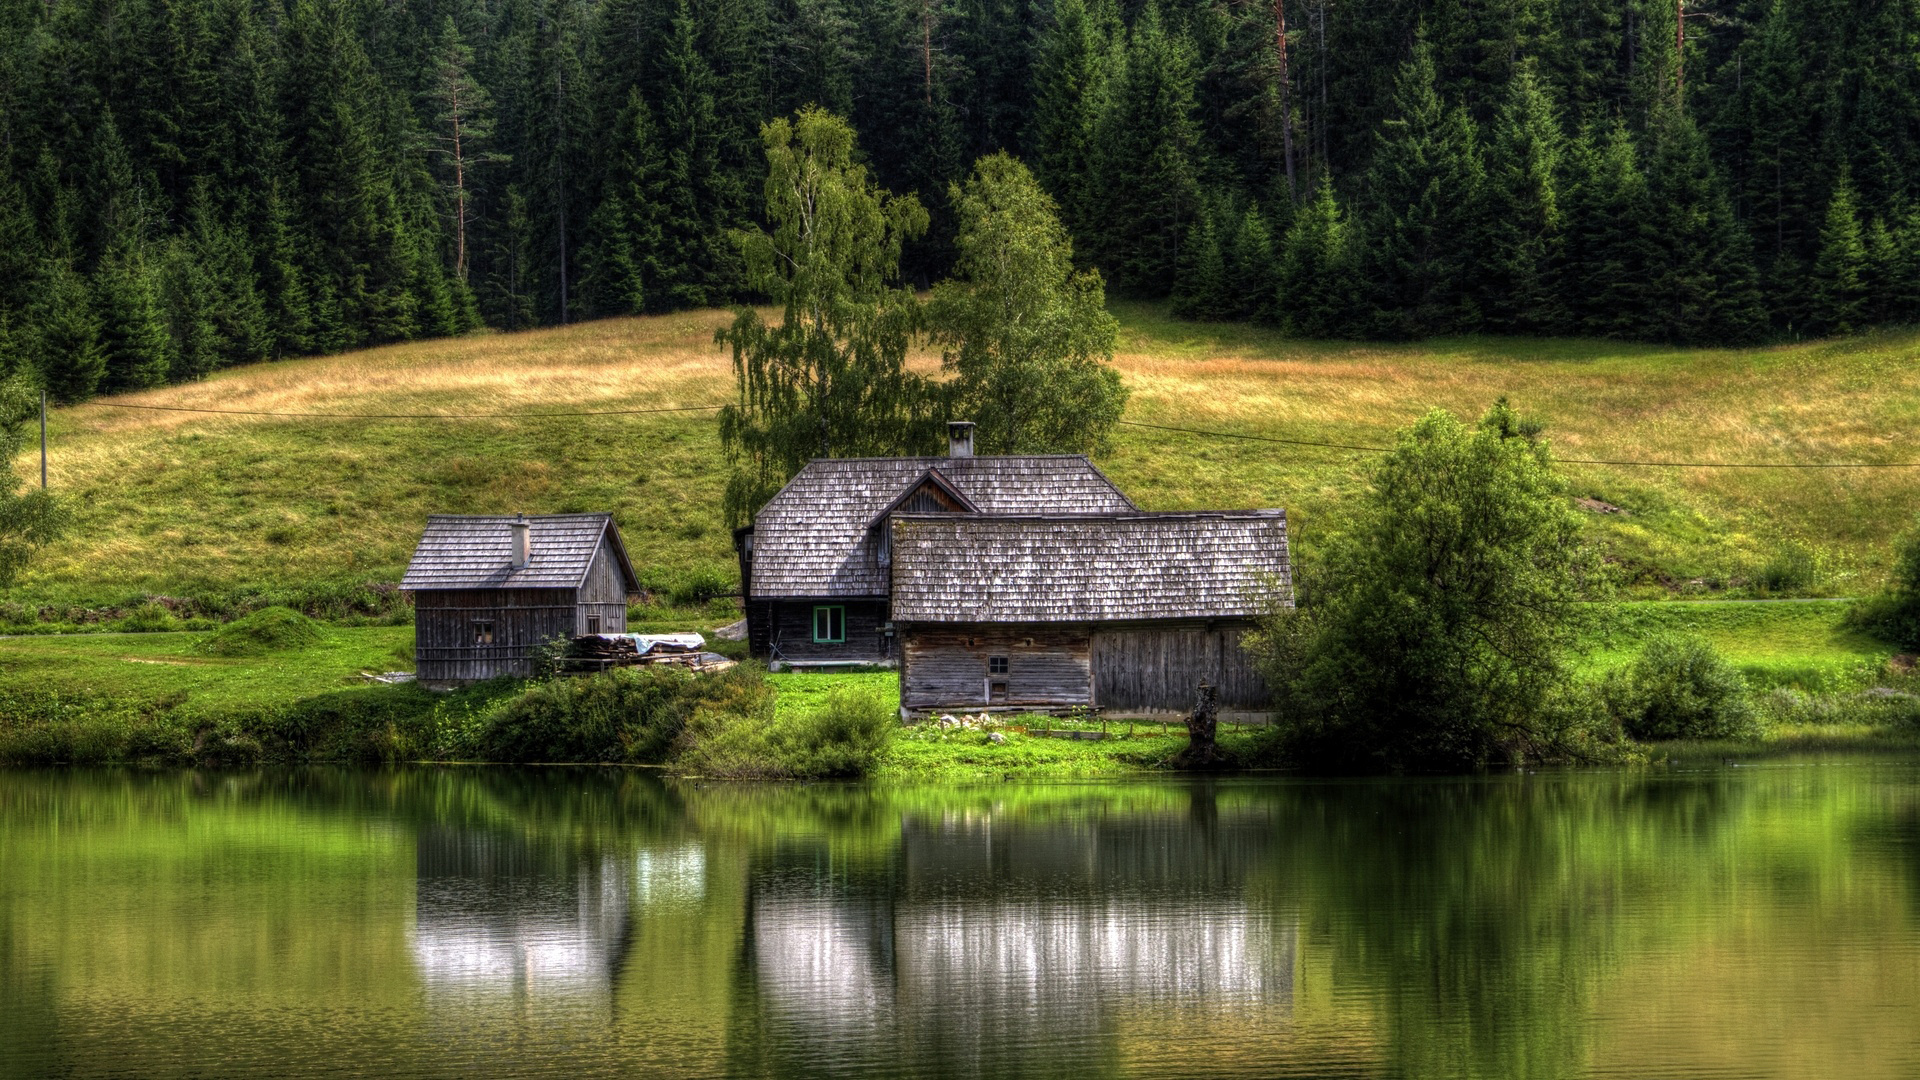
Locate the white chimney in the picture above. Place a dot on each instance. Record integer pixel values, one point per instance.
(522, 542)
(959, 438)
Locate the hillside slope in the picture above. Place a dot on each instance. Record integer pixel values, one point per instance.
(178, 503)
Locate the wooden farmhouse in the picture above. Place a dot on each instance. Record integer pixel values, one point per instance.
(488, 589)
(1009, 582)
(814, 565)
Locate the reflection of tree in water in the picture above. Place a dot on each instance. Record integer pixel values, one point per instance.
(1481, 914)
(1000, 945)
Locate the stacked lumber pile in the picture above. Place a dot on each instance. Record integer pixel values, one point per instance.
(599, 651)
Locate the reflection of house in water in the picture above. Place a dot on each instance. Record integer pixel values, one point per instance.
(495, 915)
(993, 938)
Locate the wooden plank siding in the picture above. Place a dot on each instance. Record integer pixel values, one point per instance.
(947, 666)
(444, 646)
(1121, 669)
(789, 626)
(1159, 668)
(603, 593)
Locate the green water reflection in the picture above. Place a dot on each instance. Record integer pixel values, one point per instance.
(1751, 921)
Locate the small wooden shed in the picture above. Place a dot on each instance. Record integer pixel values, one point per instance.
(1124, 612)
(488, 589)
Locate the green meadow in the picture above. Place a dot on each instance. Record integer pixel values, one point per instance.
(229, 507)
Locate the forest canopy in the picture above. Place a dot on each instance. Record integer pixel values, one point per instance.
(189, 184)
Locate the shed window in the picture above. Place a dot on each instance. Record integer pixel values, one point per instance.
(996, 665)
(483, 632)
(593, 624)
(829, 625)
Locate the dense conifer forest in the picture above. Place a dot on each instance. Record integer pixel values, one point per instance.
(190, 184)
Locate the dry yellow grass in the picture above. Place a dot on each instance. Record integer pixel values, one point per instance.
(174, 501)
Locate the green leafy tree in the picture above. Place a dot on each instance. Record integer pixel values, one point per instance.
(1027, 339)
(1437, 632)
(830, 380)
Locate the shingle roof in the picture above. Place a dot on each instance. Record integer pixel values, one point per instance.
(462, 552)
(812, 539)
(961, 568)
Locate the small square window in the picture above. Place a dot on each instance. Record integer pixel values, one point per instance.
(593, 624)
(996, 665)
(483, 632)
(829, 625)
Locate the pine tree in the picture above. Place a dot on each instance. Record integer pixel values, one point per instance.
(621, 262)
(462, 132)
(1316, 294)
(700, 199)
(1523, 218)
(1424, 210)
(1839, 284)
(138, 350)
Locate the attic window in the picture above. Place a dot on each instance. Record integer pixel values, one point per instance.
(483, 632)
(996, 665)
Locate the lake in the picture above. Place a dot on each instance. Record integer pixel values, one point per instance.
(1737, 921)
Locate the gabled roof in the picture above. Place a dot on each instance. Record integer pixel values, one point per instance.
(811, 540)
(931, 478)
(476, 552)
(965, 569)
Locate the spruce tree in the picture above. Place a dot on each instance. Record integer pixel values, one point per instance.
(621, 262)
(1701, 287)
(1200, 288)
(64, 336)
(1316, 293)
(1609, 253)
(1524, 158)
(1424, 228)
(1073, 62)
(1840, 272)
(1253, 266)
(700, 199)
(138, 349)
(1147, 160)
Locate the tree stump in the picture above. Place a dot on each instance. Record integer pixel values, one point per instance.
(1202, 752)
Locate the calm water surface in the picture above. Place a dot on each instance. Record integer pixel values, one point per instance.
(1730, 922)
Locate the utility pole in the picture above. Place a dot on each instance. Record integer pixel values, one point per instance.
(43, 439)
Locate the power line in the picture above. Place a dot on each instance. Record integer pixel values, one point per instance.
(406, 416)
(1561, 460)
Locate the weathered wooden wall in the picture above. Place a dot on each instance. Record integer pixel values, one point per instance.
(788, 625)
(444, 649)
(946, 666)
(604, 593)
(1156, 668)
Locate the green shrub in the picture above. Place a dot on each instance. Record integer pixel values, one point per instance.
(148, 618)
(1794, 568)
(625, 715)
(1895, 615)
(842, 739)
(274, 629)
(1680, 688)
(699, 585)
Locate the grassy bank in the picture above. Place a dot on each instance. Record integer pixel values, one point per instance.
(226, 511)
(162, 697)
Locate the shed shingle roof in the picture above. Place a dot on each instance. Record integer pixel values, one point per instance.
(476, 552)
(812, 539)
(964, 569)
